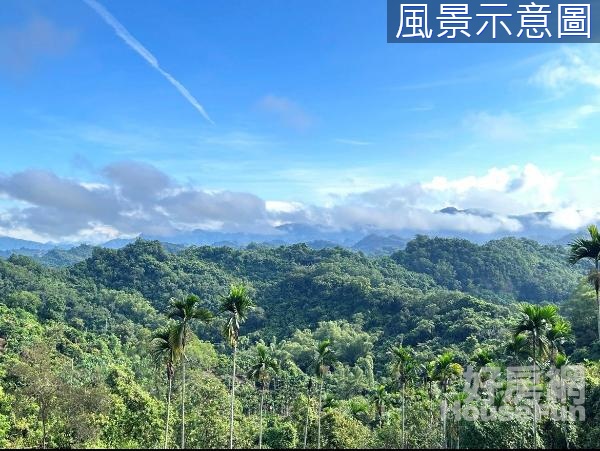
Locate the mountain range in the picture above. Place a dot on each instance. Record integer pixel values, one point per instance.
(368, 241)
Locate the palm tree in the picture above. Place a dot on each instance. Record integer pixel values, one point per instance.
(459, 399)
(381, 400)
(309, 388)
(445, 369)
(323, 359)
(561, 360)
(558, 335)
(403, 366)
(517, 348)
(589, 249)
(359, 408)
(427, 374)
(263, 368)
(237, 305)
(534, 326)
(185, 311)
(482, 357)
(166, 351)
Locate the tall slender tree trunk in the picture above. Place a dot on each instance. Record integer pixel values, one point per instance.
(564, 420)
(232, 399)
(444, 423)
(403, 416)
(262, 400)
(319, 419)
(534, 390)
(598, 306)
(183, 402)
(597, 295)
(307, 417)
(44, 432)
(430, 406)
(168, 412)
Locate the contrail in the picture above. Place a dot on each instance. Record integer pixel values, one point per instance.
(145, 53)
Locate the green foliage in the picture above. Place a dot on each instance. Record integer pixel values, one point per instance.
(207, 421)
(507, 269)
(280, 434)
(88, 345)
(342, 431)
(237, 304)
(136, 418)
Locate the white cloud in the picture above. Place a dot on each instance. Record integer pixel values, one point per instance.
(570, 67)
(573, 70)
(510, 190)
(288, 112)
(132, 42)
(21, 48)
(133, 198)
(572, 219)
(237, 139)
(353, 142)
(572, 118)
(278, 206)
(497, 127)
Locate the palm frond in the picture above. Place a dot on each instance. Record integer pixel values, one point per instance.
(264, 365)
(324, 357)
(166, 345)
(582, 248)
(560, 360)
(187, 309)
(237, 304)
(203, 315)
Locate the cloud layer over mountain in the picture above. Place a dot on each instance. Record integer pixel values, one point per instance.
(127, 198)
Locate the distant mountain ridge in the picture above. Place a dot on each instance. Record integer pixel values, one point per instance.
(8, 244)
(368, 241)
(380, 245)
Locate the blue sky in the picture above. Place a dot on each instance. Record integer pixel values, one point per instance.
(315, 119)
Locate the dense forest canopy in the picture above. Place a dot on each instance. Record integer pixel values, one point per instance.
(332, 348)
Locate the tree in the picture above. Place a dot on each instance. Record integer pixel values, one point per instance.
(39, 376)
(482, 358)
(381, 400)
(558, 335)
(322, 362)
(342, 431)
(281, 435)
(445, 369)
(136, 417)
(185, 311)
(403, 366)
(589, 249)
(237, 305)
(265, 365)
(167, 351)
(208, 424)
(535, 323)
(517, 347)
(580, 309)
(309, 388)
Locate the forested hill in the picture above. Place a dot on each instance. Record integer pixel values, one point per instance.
(437, 290)
(94, 321)
(508, 269)
(405, 294)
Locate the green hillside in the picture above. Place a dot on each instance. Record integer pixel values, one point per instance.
(77, 349)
